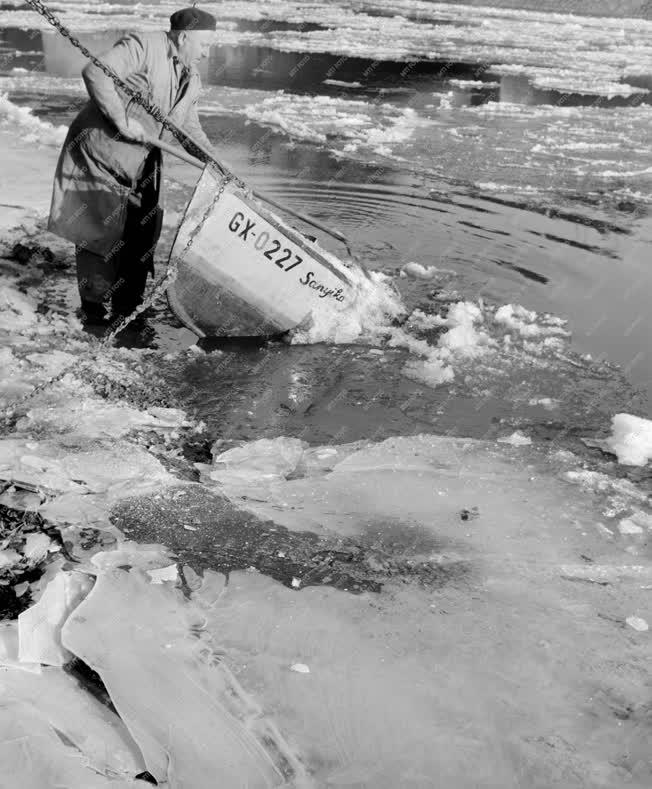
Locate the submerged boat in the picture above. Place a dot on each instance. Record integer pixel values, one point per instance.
(247, 273)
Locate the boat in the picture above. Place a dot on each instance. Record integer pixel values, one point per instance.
(247, 273)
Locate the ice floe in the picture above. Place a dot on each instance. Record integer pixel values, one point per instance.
(31, 128)
(204, 728)
(630, 439)
(322, 119)
(527, 323)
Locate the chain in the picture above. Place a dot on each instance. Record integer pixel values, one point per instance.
(158, 289)
(153, 109)
(173, 266)
(161, 285)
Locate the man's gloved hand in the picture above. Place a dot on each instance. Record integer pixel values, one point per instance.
(133, 130)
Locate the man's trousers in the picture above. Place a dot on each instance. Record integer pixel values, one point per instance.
(121, 275)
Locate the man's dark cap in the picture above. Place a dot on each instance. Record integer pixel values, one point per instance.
(192, 19)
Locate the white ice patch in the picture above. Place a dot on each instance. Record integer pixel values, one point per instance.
(418, 271)
(549, 403)
(463, 336)
(39, 627)
(31, 129)
(470, 84)
(325, 119)
(631, 439)
(528, 323)
(462, 340)
(627, 527)
(376, 305)
(638, 623)
(84, 480)
(516, 439)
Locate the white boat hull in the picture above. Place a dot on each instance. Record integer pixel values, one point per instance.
(247, 273)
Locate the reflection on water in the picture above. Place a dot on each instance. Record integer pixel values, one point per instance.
(269, 68)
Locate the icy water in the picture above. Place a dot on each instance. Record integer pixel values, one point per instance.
(508, 149)
(422, 610)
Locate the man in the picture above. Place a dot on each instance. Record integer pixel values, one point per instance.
(107, 183)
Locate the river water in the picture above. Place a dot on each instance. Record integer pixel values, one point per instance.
(508, 149)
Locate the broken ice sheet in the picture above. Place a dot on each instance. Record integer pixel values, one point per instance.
(169, 574)
(34, 756)
(133, 554)
(85, 724)
(193, 723)
(75, 508)
(93, 417)
(37, 546)
(9, 649)
(112, 471)
(17, 499)
(39, 627)
(9, 558)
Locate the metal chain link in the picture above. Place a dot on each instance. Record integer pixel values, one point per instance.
(171, 272)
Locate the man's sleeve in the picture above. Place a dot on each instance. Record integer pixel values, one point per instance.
(192, 127)
(125, 58)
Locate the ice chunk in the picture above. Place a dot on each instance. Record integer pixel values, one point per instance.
(637, 623)
(431, 372)
(641, 518)
(194, 724)
(9, 649)
(25, 500)
(99, 736)
(631, 439)
(517, 439)
(627, 526)
(462, 335)
(418, 271)
(37, 546)
(39, 627)
(32, 129)
(547, 402)
(34, 756)
(263, 458)
(164, 574)
(92, 417)
(300, 668)
(463, 340)
(75, 508)
(133, 554)
(89, 477)
(527, 322)
(8, 558)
